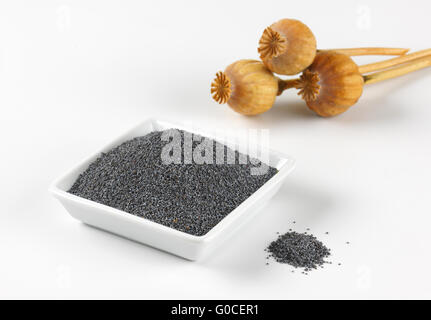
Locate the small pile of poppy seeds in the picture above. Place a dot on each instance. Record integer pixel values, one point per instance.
(300, 250)
(191, 198)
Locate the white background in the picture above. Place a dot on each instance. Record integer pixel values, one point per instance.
(76, 74)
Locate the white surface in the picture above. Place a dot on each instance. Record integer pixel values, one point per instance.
(75, 74)
(156, 235)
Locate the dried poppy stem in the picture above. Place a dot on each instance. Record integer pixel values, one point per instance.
(288, 47)
(287, 84)
(401, 66)
(393, 62)
(333, 83)
(398, 71)
(377, 51)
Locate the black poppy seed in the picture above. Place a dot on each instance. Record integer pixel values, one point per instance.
(191, 198)
(299, 250)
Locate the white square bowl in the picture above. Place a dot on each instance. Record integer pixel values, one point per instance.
(151, 233)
